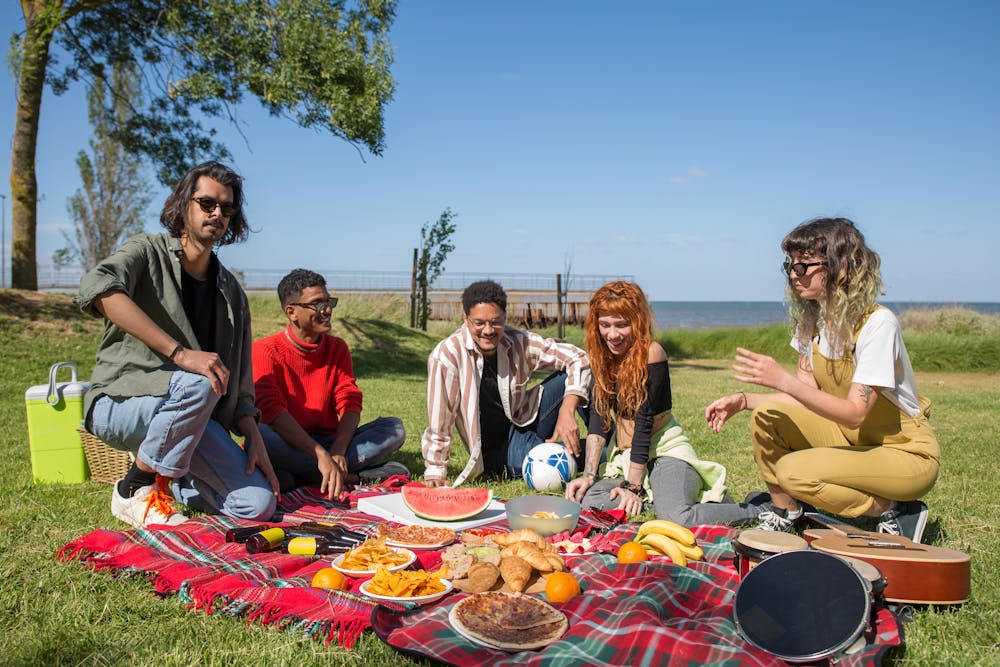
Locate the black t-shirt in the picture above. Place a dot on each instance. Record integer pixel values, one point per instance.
(494, 426)
(199, 304)
(658, 399)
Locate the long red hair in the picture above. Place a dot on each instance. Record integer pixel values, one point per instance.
(619, 382)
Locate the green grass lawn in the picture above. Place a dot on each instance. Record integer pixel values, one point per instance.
(63, 613)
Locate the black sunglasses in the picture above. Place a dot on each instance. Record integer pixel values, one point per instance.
(208, 205)
(798, 268)
(319, 306)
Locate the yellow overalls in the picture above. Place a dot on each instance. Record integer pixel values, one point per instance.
(841, 470)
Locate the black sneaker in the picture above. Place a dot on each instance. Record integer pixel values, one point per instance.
(907, 518)
(775, 520)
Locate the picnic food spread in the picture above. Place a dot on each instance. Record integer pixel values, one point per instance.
(507, 621)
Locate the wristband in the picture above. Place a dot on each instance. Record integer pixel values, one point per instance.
(592, 475)
(174, 352)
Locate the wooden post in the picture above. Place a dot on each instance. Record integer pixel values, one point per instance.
(424, 305)
(559, 304)
(413, 292)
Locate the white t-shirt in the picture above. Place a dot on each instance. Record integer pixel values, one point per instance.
(880, 359)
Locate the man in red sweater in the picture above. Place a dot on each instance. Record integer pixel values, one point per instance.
(310, 402)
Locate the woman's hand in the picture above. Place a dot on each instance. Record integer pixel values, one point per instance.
(762, 370)
(630, 503)
(719, 412)
(576, 489)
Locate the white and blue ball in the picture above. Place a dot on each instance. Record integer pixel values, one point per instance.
(548, 467)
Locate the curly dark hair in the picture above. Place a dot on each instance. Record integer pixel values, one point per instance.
(484, 291)
(174, 214)
(292, 285)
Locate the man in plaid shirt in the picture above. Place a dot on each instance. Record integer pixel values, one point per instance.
(477, 380)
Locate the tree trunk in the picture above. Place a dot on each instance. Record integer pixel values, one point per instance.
(40, 20)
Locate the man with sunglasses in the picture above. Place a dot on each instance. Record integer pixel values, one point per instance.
(172, 378)
(478, 382)
(310, 402)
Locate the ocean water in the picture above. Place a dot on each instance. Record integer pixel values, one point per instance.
(712, 314)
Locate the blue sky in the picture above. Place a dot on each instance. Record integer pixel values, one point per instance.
(676, 142)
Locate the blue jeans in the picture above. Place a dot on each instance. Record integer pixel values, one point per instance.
(373, 443)
(176, 436)
(523, 438)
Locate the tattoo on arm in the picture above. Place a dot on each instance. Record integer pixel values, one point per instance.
(866, 394)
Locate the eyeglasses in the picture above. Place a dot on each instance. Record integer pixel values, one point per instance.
(208, 205)
(798, 268)
(481, 324)
(319, 306)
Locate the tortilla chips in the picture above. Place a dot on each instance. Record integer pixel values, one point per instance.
(405, 583)
(372, 554)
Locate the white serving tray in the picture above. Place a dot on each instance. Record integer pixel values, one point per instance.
(392, 507)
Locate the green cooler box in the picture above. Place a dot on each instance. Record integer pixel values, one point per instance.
(55, 411)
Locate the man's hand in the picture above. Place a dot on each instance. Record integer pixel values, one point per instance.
(333, 469)
(576, 489)
(257, 454)
(567, 431)
(208, 364)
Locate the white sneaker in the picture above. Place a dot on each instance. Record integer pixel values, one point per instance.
(149, 506)
(384, 471)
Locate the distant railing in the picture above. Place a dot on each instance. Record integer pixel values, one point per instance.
(53, 278)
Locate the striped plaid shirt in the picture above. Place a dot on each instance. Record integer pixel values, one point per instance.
(454, 370)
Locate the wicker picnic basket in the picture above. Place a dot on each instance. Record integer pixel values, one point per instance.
(106, 463)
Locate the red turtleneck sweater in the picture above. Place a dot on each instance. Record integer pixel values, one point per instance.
(314, 383)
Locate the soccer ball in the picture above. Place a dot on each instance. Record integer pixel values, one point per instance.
(548, 467)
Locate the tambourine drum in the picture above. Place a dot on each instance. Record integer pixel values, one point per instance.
(802, 606)
(753, 546)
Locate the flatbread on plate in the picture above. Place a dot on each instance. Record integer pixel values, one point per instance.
(508, 621)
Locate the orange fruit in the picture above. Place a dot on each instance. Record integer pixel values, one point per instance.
(329, 578)
(561, 586)
(631, 552)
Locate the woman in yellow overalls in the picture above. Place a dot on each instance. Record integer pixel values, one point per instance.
(847, 433)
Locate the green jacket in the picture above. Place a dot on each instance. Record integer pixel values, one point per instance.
(147, 268)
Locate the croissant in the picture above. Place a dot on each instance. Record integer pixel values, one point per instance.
(530, 553)
(482, 576)
(521, 535)
(516, 572)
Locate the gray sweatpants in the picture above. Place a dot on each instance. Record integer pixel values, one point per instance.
(675, 486)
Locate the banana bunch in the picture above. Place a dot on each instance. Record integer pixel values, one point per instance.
(665, 538)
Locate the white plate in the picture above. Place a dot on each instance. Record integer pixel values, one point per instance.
(409, 545)
(410, 557)
(418, 599)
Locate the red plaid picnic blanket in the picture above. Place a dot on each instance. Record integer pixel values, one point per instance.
(635, 614)
(627, 612)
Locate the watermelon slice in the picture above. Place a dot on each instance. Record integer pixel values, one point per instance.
(444, 503)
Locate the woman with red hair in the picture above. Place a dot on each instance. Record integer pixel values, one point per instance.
(651, 463)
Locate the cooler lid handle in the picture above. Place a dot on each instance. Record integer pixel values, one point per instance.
(52, 397)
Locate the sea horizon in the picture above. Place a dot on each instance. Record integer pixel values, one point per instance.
(713, 314)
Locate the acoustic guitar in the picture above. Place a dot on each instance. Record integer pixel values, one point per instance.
(916, 573)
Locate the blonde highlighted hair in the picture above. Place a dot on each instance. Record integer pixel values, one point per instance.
(853, 283)
(619, 382)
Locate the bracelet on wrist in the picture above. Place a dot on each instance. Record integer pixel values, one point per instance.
(173, 353)
(746, 402)
(587, 473)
